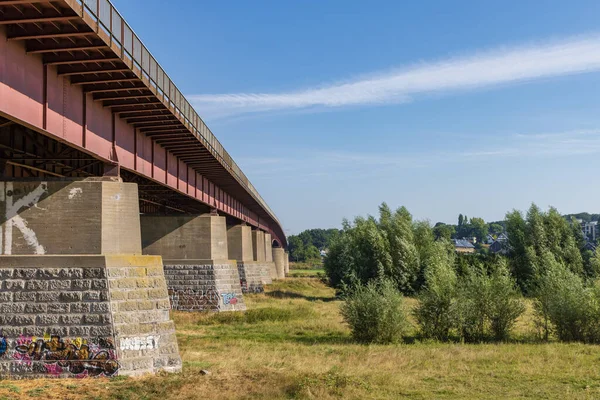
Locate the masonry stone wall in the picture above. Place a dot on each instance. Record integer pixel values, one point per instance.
(80, 316)
(251, 277)
(204, 285)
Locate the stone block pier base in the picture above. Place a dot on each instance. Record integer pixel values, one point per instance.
(77, 297)
(204, 285)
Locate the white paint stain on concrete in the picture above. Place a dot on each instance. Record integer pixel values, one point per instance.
(74, 193)
(139, 343)
(13, 219)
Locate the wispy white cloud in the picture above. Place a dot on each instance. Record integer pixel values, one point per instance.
(317, 164)
(574, 55)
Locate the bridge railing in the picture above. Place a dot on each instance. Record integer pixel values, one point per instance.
(106, 21)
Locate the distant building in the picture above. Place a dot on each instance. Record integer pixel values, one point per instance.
(500, 245)
(463, 246)
(323, 253)
(590, 229)
(489, 239)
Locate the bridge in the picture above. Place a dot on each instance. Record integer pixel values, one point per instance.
(111, 176)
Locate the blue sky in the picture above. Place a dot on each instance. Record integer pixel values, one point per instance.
(331, 107)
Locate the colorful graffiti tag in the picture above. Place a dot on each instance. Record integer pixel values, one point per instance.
(77, 356)
(229, 298)
(3, 345)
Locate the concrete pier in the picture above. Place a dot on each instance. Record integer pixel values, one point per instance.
(78, 298)
(279, 259)
(194, 248)
(253, 275)
(287, 263)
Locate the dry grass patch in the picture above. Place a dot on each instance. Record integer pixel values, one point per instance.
(296, 346)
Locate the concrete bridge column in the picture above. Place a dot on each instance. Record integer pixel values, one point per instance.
(72, 273)
(287, 263)
(200, 276)
(258, 245)
(239, 242)
(258, 248)
(279, 259)
(269, 256)
(268, 247)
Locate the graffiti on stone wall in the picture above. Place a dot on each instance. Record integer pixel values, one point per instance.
(199, 298)
(139, 343)
(229, 298)
(13, 219)
(3, 346)
(78, 356)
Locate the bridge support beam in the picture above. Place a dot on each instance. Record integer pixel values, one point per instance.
(253, 275)
(259, 251)
(279, 259)
(268, 248)
(287, 263)
(200, 275)
(78, 298)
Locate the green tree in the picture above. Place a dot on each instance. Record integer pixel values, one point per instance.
(425, 244)
(540, 233)
(296, 248)
(592, 270)
(495, 229)
(400, 244)
(479, 229)
(443, 231)
(436, 310)
(358, 254)
(311, 253)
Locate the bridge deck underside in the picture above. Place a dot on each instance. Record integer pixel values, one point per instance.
(60, 78)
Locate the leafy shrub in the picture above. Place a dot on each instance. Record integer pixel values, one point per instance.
(472, 306)
(505, 303)
(562, 303)
(476, 307)
(593, 329)
(488, 305)
(375, 312)
(436, 311)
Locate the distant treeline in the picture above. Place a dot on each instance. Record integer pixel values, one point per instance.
(396, 247)
(307, 245)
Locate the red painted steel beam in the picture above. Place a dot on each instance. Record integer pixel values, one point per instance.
(125, 97)
(157, 124)
(137, 104)
(69, 49)
(50, 35)
(97, 81)
(127, 89)
(88, 61)
(91, 72)
(18, 2)
(155, 118)
(37, 20)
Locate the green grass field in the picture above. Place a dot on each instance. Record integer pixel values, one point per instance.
(293, 344)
